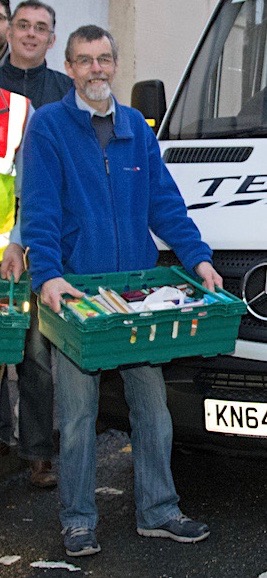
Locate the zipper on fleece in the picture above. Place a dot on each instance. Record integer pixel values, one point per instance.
(106, 164)
(106, 161)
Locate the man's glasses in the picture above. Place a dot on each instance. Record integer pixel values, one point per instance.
(86, 62)
(38, 28)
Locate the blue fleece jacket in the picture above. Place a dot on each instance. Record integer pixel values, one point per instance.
(88, 211)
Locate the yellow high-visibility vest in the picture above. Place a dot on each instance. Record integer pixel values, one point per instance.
(13, 115)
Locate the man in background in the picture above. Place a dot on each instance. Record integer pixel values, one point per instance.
(30, 35)
(15, 111)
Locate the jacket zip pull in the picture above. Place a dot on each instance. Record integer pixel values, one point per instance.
(107, 166)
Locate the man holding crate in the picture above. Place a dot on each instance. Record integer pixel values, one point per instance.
(15, 111)
(31, 34)
(94, 186)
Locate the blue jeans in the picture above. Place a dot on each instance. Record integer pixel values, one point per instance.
(77, 399)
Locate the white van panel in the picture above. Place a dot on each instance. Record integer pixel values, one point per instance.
(227, 219)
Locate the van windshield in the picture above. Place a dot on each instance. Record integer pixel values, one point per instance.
(224, 93)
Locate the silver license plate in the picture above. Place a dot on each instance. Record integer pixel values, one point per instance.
(236, 417)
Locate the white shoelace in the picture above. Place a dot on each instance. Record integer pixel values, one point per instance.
(76, 531)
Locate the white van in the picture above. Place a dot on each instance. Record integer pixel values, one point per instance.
(213, 139)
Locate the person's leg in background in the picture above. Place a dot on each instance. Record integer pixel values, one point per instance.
(6, 431)
(36, 404)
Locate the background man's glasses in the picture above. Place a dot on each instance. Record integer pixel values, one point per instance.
(87, 61)
(38, 28)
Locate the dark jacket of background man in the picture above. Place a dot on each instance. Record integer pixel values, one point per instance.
(40, 84)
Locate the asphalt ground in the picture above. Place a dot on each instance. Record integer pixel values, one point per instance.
(230, 494)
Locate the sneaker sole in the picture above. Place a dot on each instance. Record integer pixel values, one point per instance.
(84, 552)
(157, 533)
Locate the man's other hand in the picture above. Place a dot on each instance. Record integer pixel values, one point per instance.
(209, 275)
(12, 262)
(52, 291)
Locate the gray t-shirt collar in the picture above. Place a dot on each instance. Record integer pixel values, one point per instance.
(82, 105)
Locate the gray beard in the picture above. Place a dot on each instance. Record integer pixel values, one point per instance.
(98, 94)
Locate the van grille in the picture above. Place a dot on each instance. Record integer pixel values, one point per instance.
(221, 380)
(207, 155)
(221, 385)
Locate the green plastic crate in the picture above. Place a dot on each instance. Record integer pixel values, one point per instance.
(13, 325)
(107, 342)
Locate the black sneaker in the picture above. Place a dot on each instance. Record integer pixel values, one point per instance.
(181, 529)
(80, 542)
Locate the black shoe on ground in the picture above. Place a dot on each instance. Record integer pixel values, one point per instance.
(181, 529)
(80, 542)
(42, 475)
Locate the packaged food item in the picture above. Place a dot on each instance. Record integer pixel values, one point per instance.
(81, 308)
(136, 295)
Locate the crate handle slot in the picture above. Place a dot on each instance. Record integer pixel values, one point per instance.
(133, 336)
(153, 329)
(194, 327)
(175, 329)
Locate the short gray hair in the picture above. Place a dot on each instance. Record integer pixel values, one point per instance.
(35, 4)
(89, 33)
